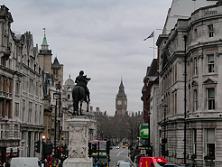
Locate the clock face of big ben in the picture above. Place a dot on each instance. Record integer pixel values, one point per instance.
(119, 102)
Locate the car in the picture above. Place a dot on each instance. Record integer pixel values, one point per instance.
(117, 147)
(122, 163)
(24, 162)
(145, 161)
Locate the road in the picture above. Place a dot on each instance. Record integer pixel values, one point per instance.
(118, 154)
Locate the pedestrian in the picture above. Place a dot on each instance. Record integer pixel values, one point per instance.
(7, 164)
(1, 164)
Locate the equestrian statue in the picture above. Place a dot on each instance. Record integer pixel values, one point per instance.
(80, 93)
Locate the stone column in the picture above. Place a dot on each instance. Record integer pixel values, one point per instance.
(78, 143)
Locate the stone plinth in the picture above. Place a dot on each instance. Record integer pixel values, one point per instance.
(78, 143)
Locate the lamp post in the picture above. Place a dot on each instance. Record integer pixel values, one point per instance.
(43, 147)
(55, 96)
(185, 95)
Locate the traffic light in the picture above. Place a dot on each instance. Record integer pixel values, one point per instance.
(108, 146)
(46, 149)
(89, 150)
(164, 140)
(163, 149)
(37, 146)
(94, 147)
(108, 143)
(164, 152)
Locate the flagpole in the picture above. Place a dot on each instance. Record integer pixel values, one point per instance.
(153, 45)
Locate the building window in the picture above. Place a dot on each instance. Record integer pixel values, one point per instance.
(36, 114)
(30, 112)
(211, 30)
(1, 108)
(23, 110)
(195, 100)
(195, 33)
(211, 62)
(195, 67)
(30, 86)
(17, 86)
(37, 89)
(40, 114)
(68, 96)
(210, 143)
(16, 109)
(175, 102)
(1, 83)
(194, 138)
(211, 98)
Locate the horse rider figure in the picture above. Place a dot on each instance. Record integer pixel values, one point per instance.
(82, 80)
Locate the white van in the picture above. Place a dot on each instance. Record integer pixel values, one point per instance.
(24, 162)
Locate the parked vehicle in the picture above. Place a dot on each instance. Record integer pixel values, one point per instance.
(152, 161)
(122, 163)
(24, 162)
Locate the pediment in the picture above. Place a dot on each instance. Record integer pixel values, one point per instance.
(209, 81)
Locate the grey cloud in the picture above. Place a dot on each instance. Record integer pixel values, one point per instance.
(102, 37)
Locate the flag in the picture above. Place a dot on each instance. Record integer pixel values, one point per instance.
(150, 36)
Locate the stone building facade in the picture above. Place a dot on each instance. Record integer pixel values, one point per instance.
(52, 86)
(31, 104)
(21, 105)
(198, 39)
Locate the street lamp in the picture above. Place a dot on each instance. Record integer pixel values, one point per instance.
(43, 146)
(56, 96)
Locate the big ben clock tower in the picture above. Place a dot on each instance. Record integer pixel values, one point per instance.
(121, 101)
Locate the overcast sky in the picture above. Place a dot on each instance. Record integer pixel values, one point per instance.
(102, 37)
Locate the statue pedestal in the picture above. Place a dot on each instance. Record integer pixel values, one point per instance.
(78, 143)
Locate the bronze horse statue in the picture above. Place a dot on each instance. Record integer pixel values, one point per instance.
(79, 94)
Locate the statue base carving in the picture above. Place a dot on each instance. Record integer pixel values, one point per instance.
(78, 143)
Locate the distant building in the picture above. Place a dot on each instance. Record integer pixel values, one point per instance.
(52, 83)
(121, 101)
(67, 107)
(150, 98)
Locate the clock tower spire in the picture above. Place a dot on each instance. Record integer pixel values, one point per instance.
(121, 101)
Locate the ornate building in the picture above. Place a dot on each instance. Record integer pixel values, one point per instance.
(52, 84)
(193, 106)
(121, 101)
(21, 105)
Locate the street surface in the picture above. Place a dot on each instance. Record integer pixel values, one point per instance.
(118, 154)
